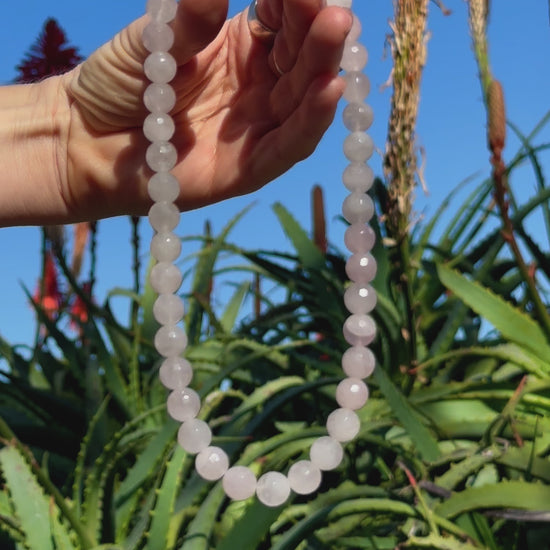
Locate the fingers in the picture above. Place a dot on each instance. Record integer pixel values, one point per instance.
(299, 135)
(320, 54)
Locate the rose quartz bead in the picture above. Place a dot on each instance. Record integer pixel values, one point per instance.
(160, 67)
(212, 463)
(343, 425)
(359, 238)
(361, 268)
(183, 404)
(239, 483)
(168, 309)
(164, 216)
(358, 147)
(358, 117)
(273, 489)
(354, 57)
(175, 373)
(159, 127)
(358, 362)
(159, 98)
(170, 340)
(358, 208)
(352, 393)
(304, 477)
(165, 278)
(161, 156)
(326, 453)
(355, 30)
(165, 247)
(358, 176)
(359, 330)
(157, 37)
(194, 436)
(163, 186)
(162, 10)
(360, 298)
(357, 86)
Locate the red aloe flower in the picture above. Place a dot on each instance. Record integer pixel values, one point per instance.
(79, 309)
(48, 56)
(47, 294)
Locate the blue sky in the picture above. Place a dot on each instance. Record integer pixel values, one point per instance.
(451, 127)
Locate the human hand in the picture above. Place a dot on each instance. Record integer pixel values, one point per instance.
(239, 124)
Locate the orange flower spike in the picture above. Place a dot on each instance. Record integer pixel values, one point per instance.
(47, 294)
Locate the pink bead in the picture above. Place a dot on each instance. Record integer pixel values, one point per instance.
(239, 483)
(165, 278)
(161, 156)
(159, 98)
(359, 238)
(165, 247)
(163, 186)
(212, 463)
(358, 117)
(194, 436)
(160, 67)
(157, 37)
(360, 298)
(170, 341)
(326, 453)
(352, 393)
(358, 362)
(357, 86)
(164, 216)
(359, 330)
(175, 373)
(168, 309)
(358, 176)
(358, 208)
(183, 404)
(354, 57)
(361, 268)
(358, 147)
(343, 425)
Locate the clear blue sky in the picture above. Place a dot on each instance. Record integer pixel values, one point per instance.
(451, 126)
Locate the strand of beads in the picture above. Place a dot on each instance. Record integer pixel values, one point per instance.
(183, 404)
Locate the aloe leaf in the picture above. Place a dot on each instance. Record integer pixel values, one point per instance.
(439, 542)
(421, 437)
(509, 321)
(506, 494)
(231, 312)
(30, 504)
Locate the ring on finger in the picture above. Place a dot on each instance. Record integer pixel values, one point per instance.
(258, 29)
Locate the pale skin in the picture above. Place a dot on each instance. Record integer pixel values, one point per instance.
(72, 146)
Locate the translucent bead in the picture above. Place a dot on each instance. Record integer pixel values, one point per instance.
(160, 67)
(352, 393)
(273, 489)
(358, 362)
(357, 86)
(162, 10)
(355, 30)
(358, 208)
(170, 341)
(157, 37)
(212, 463)
(159, 98)
(161, 156)
(165, 247)
(183, 404)
(360, 298)
(361, 268)
(354, 57)
(239, 483)
(165, 278)
(326, 453)
(358, 176)
(194, 436)
(358, 147)
(163, 186)
(359, 238)
(175, 373)
(343, 424)
(168, 309)
(304, 477)
(358, 117)
(359, 330)
(164, 216)
(158, 127)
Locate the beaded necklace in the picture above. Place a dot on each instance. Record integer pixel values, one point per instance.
(183, 404)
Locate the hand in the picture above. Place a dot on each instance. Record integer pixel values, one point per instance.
(239, 124)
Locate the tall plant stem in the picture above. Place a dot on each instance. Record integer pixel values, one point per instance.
(86, 541)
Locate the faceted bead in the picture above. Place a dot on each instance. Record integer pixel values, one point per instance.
(158, 127)
(359, 330)
(355, 30)
(212, 463)
(361, 268)
(175, 373)
(160, 67)
(159, 98)
(352, 393)
(183, 404)
(358, 362)
(164, 216)
(360, 298)
(170, 340)
(168, 309)
(358, 208)
(354, 57)
(162, 10)
(343, 425)
(357, 86)
(326, 453)
(239, 483)
(358, 117)
(304, 477)
(358, 176)
(273, 489)
(161, 156)
(157, 37)
(165, 247)
(165, 278)
(194, 436)
(359, 238)
(358, 147)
